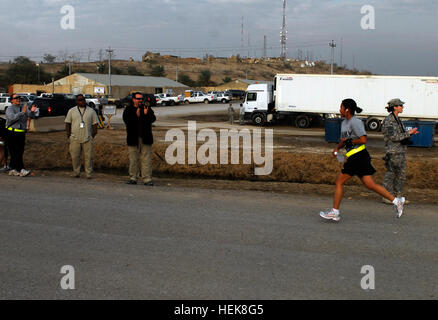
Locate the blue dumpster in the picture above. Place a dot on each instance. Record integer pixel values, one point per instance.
(333, 129)
(426, 133)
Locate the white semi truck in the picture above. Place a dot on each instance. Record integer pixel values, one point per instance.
(300, 98)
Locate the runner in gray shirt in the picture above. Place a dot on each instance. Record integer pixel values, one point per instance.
(354, 138)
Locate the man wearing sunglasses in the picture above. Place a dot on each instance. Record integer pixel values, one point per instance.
(16, 126)
(138, 118)
(81, 126)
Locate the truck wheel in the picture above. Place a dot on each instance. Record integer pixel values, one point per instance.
(302, 122)
(187, 102)
(172, 103)
(206, 101)
(258, 119)
(224, 101)
(373, 124)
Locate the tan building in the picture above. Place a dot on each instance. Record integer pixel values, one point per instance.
(121, 85)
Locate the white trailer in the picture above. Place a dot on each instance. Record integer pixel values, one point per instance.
(300, 98)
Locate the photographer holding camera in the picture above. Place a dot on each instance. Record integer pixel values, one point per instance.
(397, 139)
(138, 117)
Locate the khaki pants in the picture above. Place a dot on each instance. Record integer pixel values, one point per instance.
(140, 161)
(76, 149)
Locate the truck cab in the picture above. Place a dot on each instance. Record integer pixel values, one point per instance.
(257, 102)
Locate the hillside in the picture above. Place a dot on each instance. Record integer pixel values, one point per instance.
(221, 69)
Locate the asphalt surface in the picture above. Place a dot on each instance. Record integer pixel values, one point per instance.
(164, 242)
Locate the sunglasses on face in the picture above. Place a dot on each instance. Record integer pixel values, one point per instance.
(138, 98)
(80, 99)
(15, 98)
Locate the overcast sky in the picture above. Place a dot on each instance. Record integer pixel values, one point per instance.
(404, 41)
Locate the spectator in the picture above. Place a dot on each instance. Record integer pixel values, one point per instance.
(81, 126)
(16, 120)
(3, 146)
(138, 118)
(396, 143)
(231, 113)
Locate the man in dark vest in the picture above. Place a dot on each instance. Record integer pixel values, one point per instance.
(138, 117)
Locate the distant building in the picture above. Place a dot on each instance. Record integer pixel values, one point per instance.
(121, 85)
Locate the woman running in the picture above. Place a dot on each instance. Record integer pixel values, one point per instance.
(354, 138)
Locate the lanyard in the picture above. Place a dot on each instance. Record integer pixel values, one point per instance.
(82, 115)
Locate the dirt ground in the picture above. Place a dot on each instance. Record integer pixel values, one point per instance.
(301, 163)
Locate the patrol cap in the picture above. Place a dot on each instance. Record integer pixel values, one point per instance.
(395, 103)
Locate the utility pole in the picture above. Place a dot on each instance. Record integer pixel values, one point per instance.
(110, 53)
(283, 34)
(264, 47)
(341, 58)
(38, 72)
(177, 68)
(69, 65)
(332, 44)
(248, 46)
(241, 39)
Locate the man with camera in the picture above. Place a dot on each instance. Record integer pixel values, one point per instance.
(397, 139)
(138, 117)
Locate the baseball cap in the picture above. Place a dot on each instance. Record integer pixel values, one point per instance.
(395, 103)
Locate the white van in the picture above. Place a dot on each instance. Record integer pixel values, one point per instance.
(5, 102)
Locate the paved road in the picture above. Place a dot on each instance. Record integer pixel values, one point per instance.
(181, 110)
(176, 243)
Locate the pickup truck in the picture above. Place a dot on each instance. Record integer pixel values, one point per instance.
(199, 96)
(165, 99)
(92, 102)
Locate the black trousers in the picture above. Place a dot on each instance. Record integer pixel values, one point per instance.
(16, 142)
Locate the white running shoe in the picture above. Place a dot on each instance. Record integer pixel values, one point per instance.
(330, 215)
(24, 173)
(14, 172)
(398, 206)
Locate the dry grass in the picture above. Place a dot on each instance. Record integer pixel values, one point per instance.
(50, 151)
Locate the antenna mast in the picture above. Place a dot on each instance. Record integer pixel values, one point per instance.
(283, 34)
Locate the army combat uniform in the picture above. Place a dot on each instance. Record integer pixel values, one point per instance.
(395, 159)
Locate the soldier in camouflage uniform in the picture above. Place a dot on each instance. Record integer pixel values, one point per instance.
(396, 137)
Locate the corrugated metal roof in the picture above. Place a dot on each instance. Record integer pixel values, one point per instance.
(133, 81)
(256, 81)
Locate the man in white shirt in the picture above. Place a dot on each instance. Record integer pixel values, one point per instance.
(81, 126)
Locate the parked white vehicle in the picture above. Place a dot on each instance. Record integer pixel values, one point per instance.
(5, 102)
(198, 97)
(165, 99)
(4, 94)
(92, 102)
(223, 97)
(299, 98)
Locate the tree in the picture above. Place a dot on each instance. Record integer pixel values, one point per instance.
(227, 80)
(48, 58)
(204, 79)
(132, 71)
(25, 71)
(158, 71)
(185, 79)
(64, 72)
